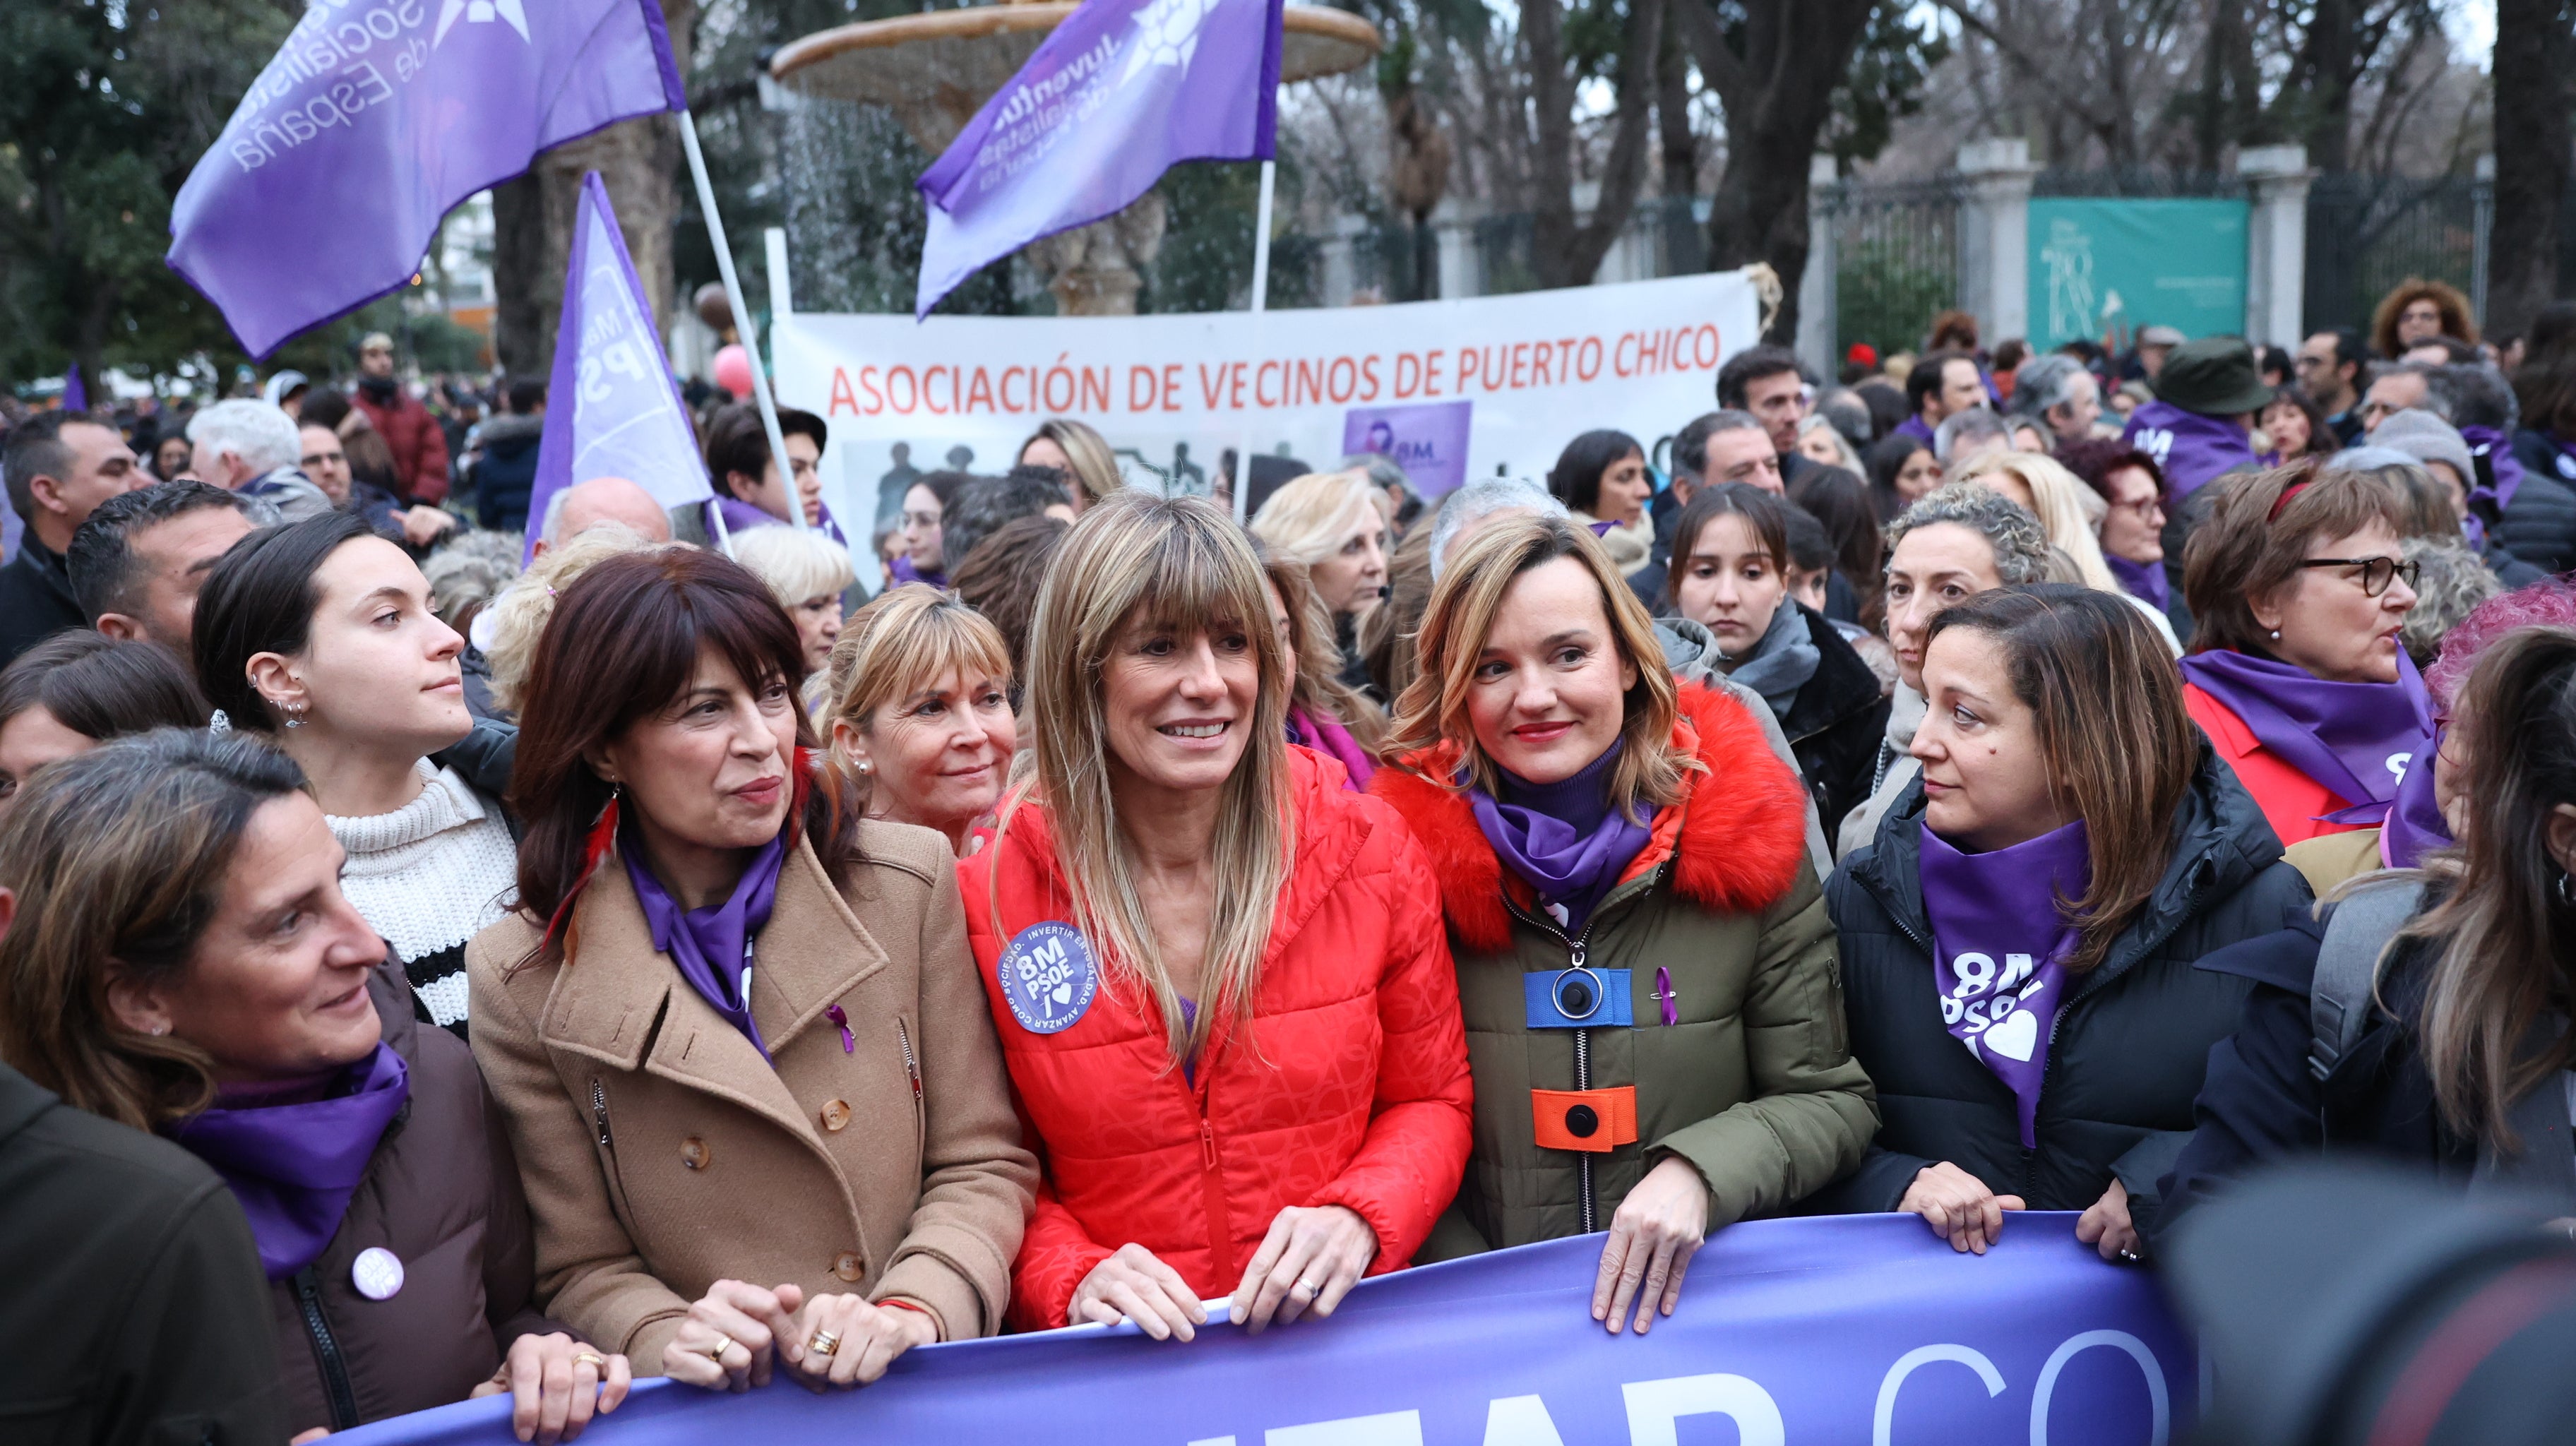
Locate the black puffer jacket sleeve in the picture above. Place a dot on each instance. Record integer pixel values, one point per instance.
(2258, 1102)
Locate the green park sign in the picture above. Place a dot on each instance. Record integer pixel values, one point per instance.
(2099, 265)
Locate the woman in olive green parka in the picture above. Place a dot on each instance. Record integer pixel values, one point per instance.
(1650, 985)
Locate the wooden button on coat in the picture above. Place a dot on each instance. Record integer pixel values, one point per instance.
(846, 1266)
(693, 1153)
(835, 1115)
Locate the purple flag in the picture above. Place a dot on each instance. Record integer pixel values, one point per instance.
(326, 186)
(612, 407)
(75, 396)
(1120, 92)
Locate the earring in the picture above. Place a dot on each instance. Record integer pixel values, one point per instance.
(2276, 635)
(295, 712)
(163, 1028)
(866, 768)
(2566, 890)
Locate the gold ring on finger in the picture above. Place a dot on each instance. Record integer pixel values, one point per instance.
(723, 1344)
(824, 1343)
(597, 1361)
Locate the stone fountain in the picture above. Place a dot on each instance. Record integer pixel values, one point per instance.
(934, 70)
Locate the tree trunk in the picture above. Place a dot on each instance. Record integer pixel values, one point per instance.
(1672, 114)
(532, 217)
(2535, 48)
(1775, 77)
(1567, 254)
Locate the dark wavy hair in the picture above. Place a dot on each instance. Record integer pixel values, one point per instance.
(623, 642)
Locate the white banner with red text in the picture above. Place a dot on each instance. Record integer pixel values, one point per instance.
(1450, 389)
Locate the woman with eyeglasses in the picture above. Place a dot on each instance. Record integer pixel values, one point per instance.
(2297, 673)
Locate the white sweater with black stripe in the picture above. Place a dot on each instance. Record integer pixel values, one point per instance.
(429, 876)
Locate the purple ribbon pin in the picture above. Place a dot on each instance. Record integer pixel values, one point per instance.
(849, 1044)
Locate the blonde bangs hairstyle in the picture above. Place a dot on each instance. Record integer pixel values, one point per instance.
(1137, 562)
(911, 638)
(1304, 520)
(2068, 511)
(1464, 605)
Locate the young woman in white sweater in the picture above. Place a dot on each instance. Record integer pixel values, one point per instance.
(319, 636)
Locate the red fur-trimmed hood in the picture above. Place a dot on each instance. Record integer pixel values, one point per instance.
(1735, 840)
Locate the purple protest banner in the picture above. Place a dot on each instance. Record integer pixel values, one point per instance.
(1428, 440)
(1852, 1328)
(373, 120)
(1119, 93)
(612, 406)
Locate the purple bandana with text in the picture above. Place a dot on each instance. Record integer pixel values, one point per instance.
(1999, 949)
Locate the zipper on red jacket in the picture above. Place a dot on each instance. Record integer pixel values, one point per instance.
(326, 1352)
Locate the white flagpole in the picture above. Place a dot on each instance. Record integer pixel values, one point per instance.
(750, 339)
(1260, 299)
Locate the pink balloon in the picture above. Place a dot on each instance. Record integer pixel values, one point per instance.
(733, 371)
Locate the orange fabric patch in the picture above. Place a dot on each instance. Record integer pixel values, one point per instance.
(1612, 1120)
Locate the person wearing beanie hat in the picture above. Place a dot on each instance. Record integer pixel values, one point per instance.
(2433, 444)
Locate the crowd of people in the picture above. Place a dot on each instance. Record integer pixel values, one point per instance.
(423, 977)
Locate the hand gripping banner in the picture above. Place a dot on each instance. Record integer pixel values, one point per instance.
(1848, 1329)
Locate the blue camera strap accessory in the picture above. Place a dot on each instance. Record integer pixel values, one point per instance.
(1578, 998)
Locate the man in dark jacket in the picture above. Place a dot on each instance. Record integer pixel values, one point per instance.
(139, 1314)
(2128, 1047)
(419, 445)
(507, 471)
(59, 466)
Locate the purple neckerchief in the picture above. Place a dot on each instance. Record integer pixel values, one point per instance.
(2497, 448)
(1189, 1021)
(1563, 839)
(2415, 826)
(741, 516)
(2000, 943)
(903, 572)
(697, 938)
(2192, 449)
(294, 1166)
(1914, 426)
(2144, 581)
(1327, 736)
(1601, 529)
(2354, 740)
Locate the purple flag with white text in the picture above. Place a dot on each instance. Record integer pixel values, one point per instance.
(1122, 91)
(612, 407)
(376, 117)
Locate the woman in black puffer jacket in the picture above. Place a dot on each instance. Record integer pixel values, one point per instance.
(2079, 830)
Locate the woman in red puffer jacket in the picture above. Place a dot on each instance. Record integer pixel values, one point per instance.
(1221, 981)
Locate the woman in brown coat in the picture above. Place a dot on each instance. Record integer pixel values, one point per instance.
(759, 1109)
(183, 960)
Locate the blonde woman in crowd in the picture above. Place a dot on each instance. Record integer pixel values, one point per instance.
(1090, 469)
(808, 572)
(1324, 713)
(1339, 526)
(2068, 511)
(919, 712)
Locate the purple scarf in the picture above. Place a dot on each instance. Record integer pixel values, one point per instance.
(2355, 740)
(2497, 448)
(712, 947)
(903, 572)
(1327, 736)
(2144, 581)
(2192, 449)
(1563, 839)
(1999, 950)
(741, 516)
(2415, 826)
(293, 1167)
(1913, 426)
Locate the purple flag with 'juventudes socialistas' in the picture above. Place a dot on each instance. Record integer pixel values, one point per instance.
(1122, 90)
(612, 408)
(375, 118)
